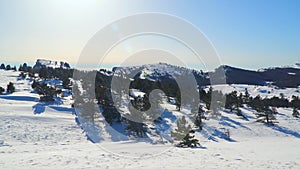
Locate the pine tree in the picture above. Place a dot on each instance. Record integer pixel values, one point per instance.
(34, 84)
(182, 129)
(199, 117)
(189, 140)
(178, 100)
(296, 113)
(47, 92)
(267, 116)
(2, 66)
(295, 103)
(135, 122)
(2, 90)
(7, 67)
(10, 88)
(246, 96)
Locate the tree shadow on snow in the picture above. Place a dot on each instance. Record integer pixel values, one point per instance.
(39, 108)
(227, 120)
(284, 130)
(19, 98)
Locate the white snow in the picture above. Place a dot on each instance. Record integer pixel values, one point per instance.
(263, 91)
(292, 73)
(39, 135)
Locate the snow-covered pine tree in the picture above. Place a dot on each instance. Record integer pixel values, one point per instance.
(182, 129)
(189, 140)
(183, 133)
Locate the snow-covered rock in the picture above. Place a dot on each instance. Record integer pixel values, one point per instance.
(42, 63)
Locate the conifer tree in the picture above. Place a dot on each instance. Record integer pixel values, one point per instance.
(2, 66)
(189, 140)
(199, 117)
(10, 88)
(296, 113)
(184, 134)
(2, 90)
(182, 129)
(136, 118)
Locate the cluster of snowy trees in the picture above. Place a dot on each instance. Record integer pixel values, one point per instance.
(8, 67)
(265, 107)
(47, 92)
(10, 88)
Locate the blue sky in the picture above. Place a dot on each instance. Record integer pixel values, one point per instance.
(248, 34)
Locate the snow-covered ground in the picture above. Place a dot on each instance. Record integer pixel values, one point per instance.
(37, 135)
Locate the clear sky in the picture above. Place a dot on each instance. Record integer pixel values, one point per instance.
(246, 33)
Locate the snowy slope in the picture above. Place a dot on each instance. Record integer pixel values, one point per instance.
(154, 71)
(38, 135)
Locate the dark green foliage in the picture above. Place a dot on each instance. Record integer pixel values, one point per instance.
(182, 129)
(34, 84)
(2, 66)
(267, 116)
(246, 96)
(199, 115)
(104, 98)
(2, 90)
(14, 68)
(178, 100)
(10, 88)
(232, 101)
(66, 83)
(47, 92)
(23, 68)
(189, 140)
(136, 117)
(257, 104)
(295, 103)
(277, 102)
(184, 134)
(8, 67)
(59, 73)
(296, 113)
(22, 75)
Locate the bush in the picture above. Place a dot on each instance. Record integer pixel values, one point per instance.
(47, 92)
(2, 90)
(10, 88)
(2, 66)
(296, 113)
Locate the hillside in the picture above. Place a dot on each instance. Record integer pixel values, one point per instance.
(34, 134)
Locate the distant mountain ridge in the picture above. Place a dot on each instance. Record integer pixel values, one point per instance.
(278, 76)
(283, 77)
